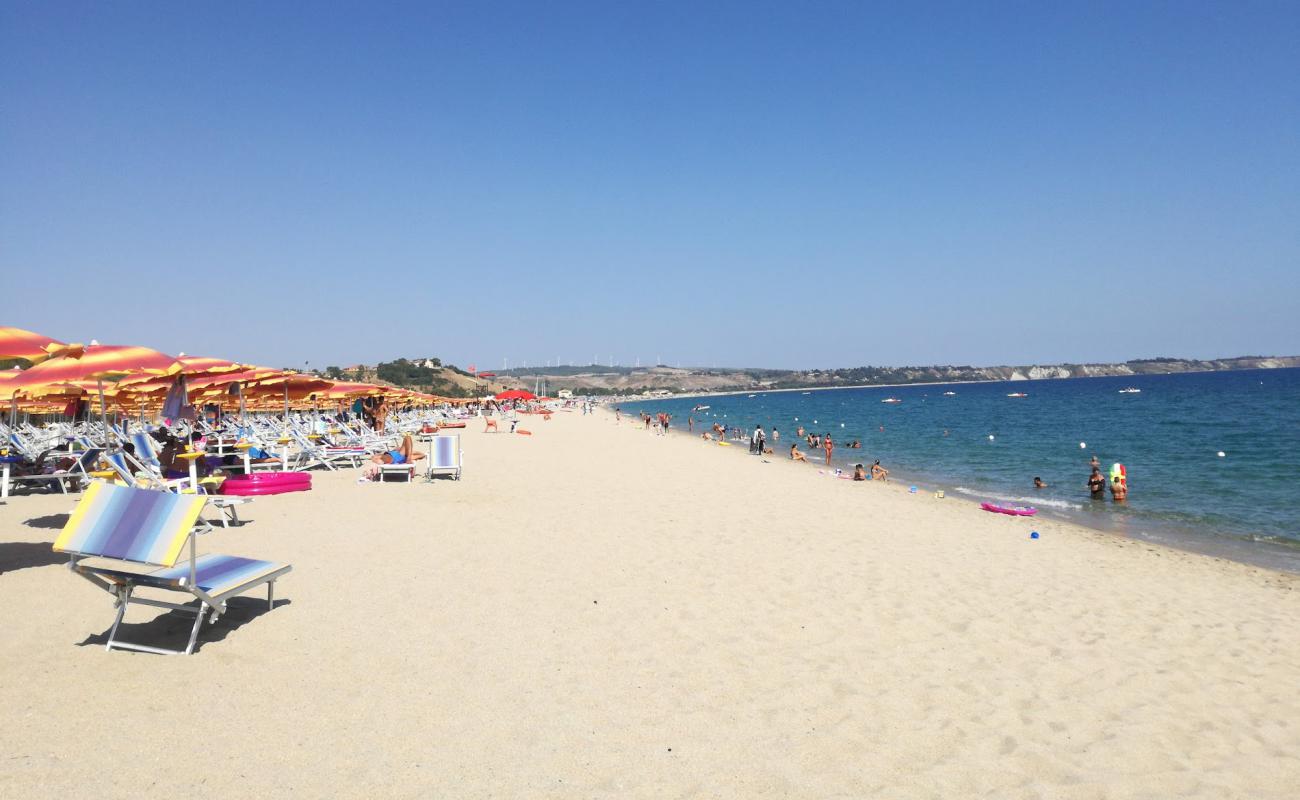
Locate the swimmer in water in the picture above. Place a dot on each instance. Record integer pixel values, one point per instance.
(1118, 491)
(1097, 484)
(1038, 483)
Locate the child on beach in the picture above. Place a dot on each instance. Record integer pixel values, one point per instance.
(859, 474)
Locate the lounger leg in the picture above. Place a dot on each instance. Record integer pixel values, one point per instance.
(234, 515)
(194, 632)
(270, 594)
(123, 597)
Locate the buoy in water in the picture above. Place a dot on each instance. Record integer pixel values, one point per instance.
(1222, 454)
(1083, 445)
(990, 437)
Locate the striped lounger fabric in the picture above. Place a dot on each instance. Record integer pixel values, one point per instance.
(446, 456)
(132, 527)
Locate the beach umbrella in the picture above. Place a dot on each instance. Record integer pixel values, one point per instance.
(232, 382)
(97, 362)
(31, 347)
(342, 389)
(516, 394)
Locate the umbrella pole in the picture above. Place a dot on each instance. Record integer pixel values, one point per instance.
(103, 414)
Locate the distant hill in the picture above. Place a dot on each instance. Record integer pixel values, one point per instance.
(595, 379)
(422, 374)
(431, 375)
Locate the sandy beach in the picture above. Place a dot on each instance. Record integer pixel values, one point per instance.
(595, 611)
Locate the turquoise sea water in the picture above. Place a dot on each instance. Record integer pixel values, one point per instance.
(1244, 505)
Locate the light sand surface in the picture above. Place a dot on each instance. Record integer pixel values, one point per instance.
(595, 611)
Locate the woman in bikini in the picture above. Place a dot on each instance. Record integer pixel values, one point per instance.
(405, 454)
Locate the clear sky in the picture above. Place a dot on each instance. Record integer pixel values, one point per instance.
(762, 184)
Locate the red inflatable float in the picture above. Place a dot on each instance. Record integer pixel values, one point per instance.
(264, 483)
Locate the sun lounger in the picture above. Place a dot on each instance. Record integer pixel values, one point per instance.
(117, 533)
(446, 456)
(405, 471)
(85, 463)
(138, 475)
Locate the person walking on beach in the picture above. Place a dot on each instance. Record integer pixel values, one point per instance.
(690, 424)
(667, 418)
(829, 445)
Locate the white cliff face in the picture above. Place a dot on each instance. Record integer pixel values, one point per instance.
(1039, 373)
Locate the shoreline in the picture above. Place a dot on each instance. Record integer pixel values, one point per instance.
(1276, 557)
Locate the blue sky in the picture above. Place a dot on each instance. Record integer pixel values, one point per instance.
(765, 184)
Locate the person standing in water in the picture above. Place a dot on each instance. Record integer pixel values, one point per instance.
(1097, 484)
(1118, 489)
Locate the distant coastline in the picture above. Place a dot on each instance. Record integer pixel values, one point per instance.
(913, 376)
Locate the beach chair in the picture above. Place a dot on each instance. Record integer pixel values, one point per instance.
(139, 476)
(116, 534)
(405, 471)
(446, 459)
(80, 470)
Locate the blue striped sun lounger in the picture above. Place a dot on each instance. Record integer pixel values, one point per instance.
(117, 533)
(446, 456)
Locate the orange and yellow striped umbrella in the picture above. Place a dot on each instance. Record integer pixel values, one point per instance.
(98, 362)
(226, 378)
(345, 389)
(190, 366)
(31, 347)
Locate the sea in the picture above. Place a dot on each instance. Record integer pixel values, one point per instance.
(1213, 458)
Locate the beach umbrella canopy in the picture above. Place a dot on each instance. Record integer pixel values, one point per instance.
(31, 347)
(225, 379)
(189, 366)
(345, 389)
(516, 394)
(98, 362)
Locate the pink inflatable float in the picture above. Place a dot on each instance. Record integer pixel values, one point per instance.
(263, 483)
(1016, 511)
